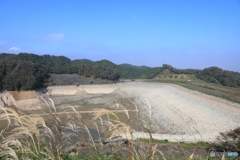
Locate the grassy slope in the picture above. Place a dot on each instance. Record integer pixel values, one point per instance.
(229, 93)
(198, 144)
(172, 77)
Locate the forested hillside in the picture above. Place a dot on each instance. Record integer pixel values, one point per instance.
(219, 76)
(27, 71)
(100, 69)
(21, 75)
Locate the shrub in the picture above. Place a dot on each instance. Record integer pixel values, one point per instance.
(228, 141)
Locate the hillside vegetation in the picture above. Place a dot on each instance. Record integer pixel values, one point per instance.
(27, 71)
(219, 76)
(21, 75)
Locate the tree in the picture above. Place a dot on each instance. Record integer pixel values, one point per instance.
(22, 75)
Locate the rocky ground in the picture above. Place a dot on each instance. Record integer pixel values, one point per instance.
(180, 113)
(174, 112)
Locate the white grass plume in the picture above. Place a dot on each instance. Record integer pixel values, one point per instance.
(102, 112)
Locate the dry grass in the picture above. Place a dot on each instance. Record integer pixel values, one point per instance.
(218, 88)
(30, 137)
(35, 137)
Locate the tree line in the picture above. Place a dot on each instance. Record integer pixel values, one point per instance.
(29, 71)
(26, 71)
(220, 76)
(21, 75)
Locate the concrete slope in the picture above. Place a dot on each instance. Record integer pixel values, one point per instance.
(24, 100)
(172, 109)
(180, 111)
(82, 89)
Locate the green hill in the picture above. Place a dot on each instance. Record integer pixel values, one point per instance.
(104, 69)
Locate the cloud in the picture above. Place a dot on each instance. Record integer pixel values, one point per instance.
(14, 49)
(53, 36)
(2, 42)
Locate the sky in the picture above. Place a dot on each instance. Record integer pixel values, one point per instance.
(183, 33)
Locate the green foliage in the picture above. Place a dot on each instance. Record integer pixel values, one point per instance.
(179, 71)
(99, 69)
(28, 78)
(218, 76)
(21, 75)
(98, 72)
(134, 72)
(50, 64)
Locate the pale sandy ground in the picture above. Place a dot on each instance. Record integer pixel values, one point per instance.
(175, 112)
(185, 114)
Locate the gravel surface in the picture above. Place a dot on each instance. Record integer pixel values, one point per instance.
(181, 113)
(170, 111)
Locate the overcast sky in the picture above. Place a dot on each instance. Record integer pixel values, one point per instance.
(183, 33)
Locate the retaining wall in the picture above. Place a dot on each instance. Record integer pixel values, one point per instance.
(82, 89)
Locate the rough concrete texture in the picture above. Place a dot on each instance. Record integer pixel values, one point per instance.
(28, 104)
(62, 90)
(24, 100)
(174, 111)
(181, 112)
(82, 89)
(6, 99)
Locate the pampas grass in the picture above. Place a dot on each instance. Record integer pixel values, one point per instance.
(50, 137)
(102, 112)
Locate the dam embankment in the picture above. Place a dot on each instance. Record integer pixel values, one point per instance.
(172, 109)
(82, 89)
